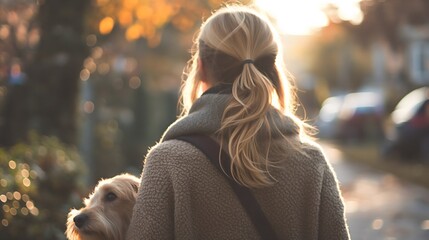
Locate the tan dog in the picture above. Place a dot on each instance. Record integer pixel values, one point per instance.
(107, 212)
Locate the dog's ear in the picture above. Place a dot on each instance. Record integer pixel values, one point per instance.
(132, 180)
(135, 186)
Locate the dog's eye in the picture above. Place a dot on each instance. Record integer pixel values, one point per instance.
(110, 197)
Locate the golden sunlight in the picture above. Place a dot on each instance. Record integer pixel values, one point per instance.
(304, 17)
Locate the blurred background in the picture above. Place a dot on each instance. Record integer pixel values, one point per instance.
(87, 86)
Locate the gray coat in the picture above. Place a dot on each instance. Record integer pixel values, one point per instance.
(183, 196)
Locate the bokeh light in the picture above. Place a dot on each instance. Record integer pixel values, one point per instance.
(3, 198)
(12, 164)
(90, 65)
(26, 182)
(15, 204)
(29, 204)
(9, 195)
(84, 74)
(106, 25)
(125, 17)
(377, 224)
(134, 32)
(13, 211)
(25, 198)
(16, 195)
(34, 211)
(91, 40)
(3, 182)
(88, 107)
(6, 208)
(103, 68)
(25, 173)
(97, 52)
(134, 82)
(24, 211)
(5, 222)
(4, 32)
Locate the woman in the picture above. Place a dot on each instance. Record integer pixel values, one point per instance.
(247, 107)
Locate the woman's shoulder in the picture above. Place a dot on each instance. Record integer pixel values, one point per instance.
(311, 152)
(172, 153)
(316, 155)
(313, 148)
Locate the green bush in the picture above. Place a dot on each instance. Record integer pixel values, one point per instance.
(39, 182)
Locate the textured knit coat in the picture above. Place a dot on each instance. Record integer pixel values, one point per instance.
(183, 196)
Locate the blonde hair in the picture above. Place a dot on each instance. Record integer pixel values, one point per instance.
(228, 37)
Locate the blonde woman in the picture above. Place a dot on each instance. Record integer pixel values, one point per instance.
(236, 92)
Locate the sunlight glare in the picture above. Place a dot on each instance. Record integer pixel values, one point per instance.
(295, 17)
(349, 10)
(304, 17)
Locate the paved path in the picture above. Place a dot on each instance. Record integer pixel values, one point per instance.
(379, 205)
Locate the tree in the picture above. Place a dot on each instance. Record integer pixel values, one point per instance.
(19, 36)
(46, 101)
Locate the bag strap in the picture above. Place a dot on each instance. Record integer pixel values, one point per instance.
(212, 149)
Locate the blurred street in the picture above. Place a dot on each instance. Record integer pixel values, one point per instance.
(380, 205)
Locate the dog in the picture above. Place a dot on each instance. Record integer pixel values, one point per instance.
(107, 212)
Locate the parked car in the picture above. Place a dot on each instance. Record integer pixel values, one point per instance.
(352, 117)
(327, 121)
(409, 134)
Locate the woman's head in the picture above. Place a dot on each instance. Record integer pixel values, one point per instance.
(226, 39)
(231, 36)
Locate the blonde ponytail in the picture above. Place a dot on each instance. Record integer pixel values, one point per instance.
(244, 117)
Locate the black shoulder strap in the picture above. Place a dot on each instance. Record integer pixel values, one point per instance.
(211, 149)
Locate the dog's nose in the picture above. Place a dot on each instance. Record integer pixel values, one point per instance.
(80, 220)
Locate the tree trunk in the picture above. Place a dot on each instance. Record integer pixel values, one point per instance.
(48, 100)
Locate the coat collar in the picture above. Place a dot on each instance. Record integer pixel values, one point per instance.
(206, 113)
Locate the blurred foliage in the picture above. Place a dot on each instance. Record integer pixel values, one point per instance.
(145, 18)
(39, 183)
(384, 19)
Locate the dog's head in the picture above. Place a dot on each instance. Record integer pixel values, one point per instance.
(107, 212)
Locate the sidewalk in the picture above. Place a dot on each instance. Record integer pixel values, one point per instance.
(369, 155)
(379, 205)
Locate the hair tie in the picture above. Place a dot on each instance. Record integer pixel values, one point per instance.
(248, 61)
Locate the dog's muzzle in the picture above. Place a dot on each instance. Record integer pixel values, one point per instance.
(80, 220)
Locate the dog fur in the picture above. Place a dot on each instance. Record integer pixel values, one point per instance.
(107, 212)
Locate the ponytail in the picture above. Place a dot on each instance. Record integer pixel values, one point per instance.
(244, 117)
